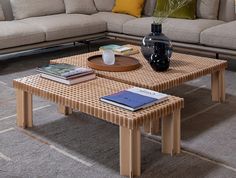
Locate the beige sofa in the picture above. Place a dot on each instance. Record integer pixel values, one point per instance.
(30, 24)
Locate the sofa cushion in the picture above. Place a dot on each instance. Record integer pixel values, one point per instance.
(130, 7)
(104, 5)
(208, 9)
(222, 36)
(80, 7)
(149, 7)
(34, 8)
(13, 34)
(2, 16)
(181, 30)
(227, 10)
(6, 6)
(114, 21)
(63, 26)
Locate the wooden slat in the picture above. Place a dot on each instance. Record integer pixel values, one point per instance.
(64, 110)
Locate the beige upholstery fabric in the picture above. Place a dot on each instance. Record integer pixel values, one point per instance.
(2, 16)
(114, 21)
(80, 7)
(222, 36)
(149, 7)
(13, 34)
(176, 29)
(208, 9)
(63, 26)
(227, 10)
(34, 8)
(6, 6)
(104, 5)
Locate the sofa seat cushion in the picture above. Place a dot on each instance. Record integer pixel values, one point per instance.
(222, 36)
(114, 21)
(14, 34)
(63, 26)
(180, 30)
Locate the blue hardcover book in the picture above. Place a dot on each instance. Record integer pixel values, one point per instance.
(135, 98)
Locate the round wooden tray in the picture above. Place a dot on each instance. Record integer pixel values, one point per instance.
(122, 63)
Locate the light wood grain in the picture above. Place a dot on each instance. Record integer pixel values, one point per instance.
(152, 126)
(64, 110)
(24, 109)
(183, 68)
(177, 131)
(167, 135)
(218, 86)
(130, 152)
(85, 97)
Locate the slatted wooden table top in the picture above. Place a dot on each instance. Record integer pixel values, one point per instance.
(85, 97)
(183, 68)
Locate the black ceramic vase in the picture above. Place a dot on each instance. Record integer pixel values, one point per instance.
(157, 49)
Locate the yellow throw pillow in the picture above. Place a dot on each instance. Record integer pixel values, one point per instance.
(131, 7)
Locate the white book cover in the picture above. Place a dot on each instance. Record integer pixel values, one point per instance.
(148, 93)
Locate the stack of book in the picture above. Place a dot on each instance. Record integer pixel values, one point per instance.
(121, 50)
(66, 73)
(134, 99)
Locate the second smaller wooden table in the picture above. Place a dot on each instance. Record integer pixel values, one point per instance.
(85, 98)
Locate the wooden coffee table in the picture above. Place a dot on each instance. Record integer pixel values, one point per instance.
(85, 98)
(183, 68)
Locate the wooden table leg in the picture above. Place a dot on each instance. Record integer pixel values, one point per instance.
(24, 109)
(130, 152)
(218, 86)
(177, 131)
(167, 135)
(171, 134)
(152, 127)
(64, 110)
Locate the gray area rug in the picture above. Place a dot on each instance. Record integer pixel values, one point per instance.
(83, 146)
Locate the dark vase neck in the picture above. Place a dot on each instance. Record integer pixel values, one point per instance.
(156, 28)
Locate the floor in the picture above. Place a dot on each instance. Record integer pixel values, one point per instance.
(83, 146)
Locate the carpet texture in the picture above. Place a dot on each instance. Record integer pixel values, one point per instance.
(82, 146)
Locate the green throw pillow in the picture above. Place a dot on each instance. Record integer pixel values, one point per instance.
(186, 12)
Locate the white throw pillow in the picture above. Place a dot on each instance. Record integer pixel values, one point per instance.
(208, 9)
(2, 16)
(33, 8)
(80, 7)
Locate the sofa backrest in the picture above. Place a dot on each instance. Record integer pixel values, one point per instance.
(35, 8)
(6, 6)
(227, 10)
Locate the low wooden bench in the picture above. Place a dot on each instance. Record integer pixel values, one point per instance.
(85, 98)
